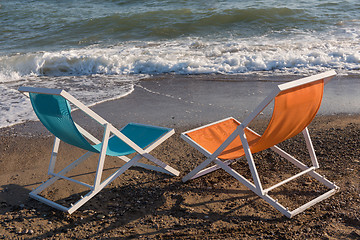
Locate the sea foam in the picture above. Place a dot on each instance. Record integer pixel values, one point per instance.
(98, 73)
(190, 56)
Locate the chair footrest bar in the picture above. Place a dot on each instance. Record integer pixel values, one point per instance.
(313, 202)
(49, 202)
(289, 179)
(72, 180)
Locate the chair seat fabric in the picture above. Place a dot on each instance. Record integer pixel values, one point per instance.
(294, 109)
(142, 135)
(211, 137)
(55, 113)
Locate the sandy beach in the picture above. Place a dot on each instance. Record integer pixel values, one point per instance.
(142, 204)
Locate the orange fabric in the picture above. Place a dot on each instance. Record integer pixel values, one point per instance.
(213, 136)
(294, 109)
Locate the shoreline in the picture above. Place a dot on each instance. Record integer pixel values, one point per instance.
(181, 100)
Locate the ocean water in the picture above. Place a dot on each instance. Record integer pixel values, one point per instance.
(98, 50)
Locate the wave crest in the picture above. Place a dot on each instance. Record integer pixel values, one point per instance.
(189, 56)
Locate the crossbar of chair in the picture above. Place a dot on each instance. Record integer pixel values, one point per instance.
(236, 175)
(64, 171)
(313, 202)
(120, 171)
(289, 179)
(302, 166)
(144, 165)
(48, 202)
(211, 169)
(72, 180)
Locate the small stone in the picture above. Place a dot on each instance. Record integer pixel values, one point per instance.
(100, 216)
(326, 236)
(18, 230)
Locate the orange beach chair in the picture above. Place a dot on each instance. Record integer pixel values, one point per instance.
(295, 106)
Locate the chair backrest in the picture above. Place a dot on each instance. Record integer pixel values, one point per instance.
(54, 112)
(294, 109)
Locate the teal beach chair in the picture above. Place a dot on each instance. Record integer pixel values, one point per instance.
(53, 110)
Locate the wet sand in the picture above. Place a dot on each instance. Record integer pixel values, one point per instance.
(142, 204)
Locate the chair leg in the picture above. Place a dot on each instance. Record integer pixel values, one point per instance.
(98, 184)
(103, 184)
(163, 165)
(310, 147)
(191, 174)
(147, 166)
(102, 156)
(212, 168)
(253, 188)
(305, 170)
(302, 166)
(257, 188)
(35, 193)
(94, 190)
(285, 211)
(54, 155)
(313, 202)
(300, 209)
(251, 162)
(236, 175)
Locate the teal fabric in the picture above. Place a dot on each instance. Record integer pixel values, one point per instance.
(142, 135)
(55, 113)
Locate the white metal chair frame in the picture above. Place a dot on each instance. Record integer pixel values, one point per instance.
(257, 186)
(109, 131)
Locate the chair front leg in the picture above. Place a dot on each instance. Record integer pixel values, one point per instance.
(251, 162)
(310, 147)
(53, 156)
(102, 156)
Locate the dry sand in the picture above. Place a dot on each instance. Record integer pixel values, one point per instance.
(145, 204)
(142, 204)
